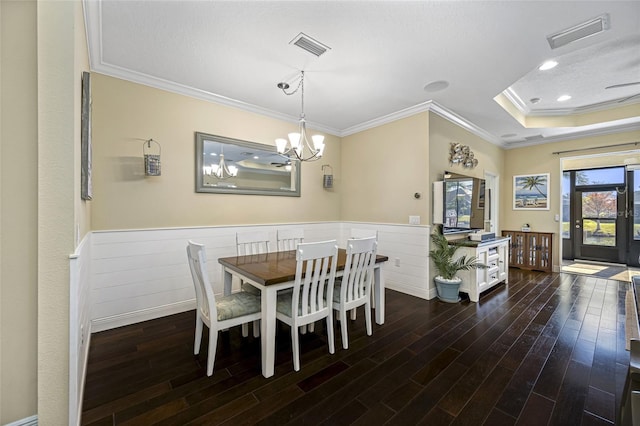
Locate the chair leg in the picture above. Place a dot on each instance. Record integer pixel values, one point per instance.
(256, 328)
(312, 327)
(213, 345)
(295, 347)
(245, 329)
(353, 314)
(303, 329)
(198, 337)
(367, 316)
(343, 329)
(330, 336)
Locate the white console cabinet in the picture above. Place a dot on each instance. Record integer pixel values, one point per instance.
(494, 254)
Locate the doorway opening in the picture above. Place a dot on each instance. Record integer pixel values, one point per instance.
(600, 211)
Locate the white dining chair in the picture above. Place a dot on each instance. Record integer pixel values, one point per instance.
(363, 233)
(312, 293)
(217, 314)
(353, 289)
(250, 243)
(288, 239)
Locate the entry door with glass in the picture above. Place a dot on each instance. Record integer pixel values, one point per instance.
(633, 209)
(599, 219)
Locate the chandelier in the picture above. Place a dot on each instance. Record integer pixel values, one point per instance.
(221, 170)
(298, 145)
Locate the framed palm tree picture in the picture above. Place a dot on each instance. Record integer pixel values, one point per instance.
(531, 192)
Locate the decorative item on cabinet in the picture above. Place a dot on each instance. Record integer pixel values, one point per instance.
(530, 250)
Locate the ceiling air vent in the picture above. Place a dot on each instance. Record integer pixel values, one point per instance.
(305, 42)
(533, 138)
(580, 31)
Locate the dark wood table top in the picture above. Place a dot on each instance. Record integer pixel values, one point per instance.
(275, 267)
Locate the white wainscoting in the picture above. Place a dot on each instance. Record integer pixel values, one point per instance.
(79, 324)
(137, 275)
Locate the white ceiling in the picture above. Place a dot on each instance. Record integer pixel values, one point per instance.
(382, 54)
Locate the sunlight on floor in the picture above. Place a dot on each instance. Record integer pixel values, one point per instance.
(583, 268)
(611, 272)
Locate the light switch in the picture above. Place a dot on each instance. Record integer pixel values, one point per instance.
(414, 220)
(557, 217)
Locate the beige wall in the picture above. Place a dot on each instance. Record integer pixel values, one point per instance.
(442, 133)
(61, 58)
(81, 63)
(541, 159)
(42, 217)
(125, 114)
(600, 160)
(43, 49)
(382, 169)
(18, 210)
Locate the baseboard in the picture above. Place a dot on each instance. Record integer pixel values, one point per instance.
(85, 363)
(107, 323)
(412, 291)
(29, 421)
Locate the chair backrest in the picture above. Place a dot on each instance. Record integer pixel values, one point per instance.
(358, 269)
(313, 292)
(363, 233)
(288, 239)
(248, 243)
(205, 298)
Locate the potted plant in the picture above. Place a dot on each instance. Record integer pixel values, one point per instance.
(442, 254)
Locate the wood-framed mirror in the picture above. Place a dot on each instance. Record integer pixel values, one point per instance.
(260, 169)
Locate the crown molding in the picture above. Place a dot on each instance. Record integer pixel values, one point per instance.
(430, 106)
(389, 118)
(526, 111)
(465, 124)
(627, 127)
(181, 89)
(93, 11)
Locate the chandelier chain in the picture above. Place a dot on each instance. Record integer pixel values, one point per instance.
(299, 142)
(300, 84)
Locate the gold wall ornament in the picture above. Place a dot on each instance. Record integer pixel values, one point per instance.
(462, 155)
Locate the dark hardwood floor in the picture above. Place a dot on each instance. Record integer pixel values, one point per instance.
(546, 349)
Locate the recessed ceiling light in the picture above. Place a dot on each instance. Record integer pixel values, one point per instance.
(436, 86)
(213, 153)
(563, 98)
(547, 65)
(255, 157)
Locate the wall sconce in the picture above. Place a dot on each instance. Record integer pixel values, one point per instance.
(151, 157)
(462, 154)
(327, 178)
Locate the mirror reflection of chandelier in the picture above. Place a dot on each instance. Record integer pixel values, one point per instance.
(298, 145)
(221, 170)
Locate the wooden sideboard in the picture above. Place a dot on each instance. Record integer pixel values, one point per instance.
(530, 250)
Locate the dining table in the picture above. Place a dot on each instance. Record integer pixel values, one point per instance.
(274, 271)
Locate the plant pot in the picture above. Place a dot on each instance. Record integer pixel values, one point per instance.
(448, 290)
